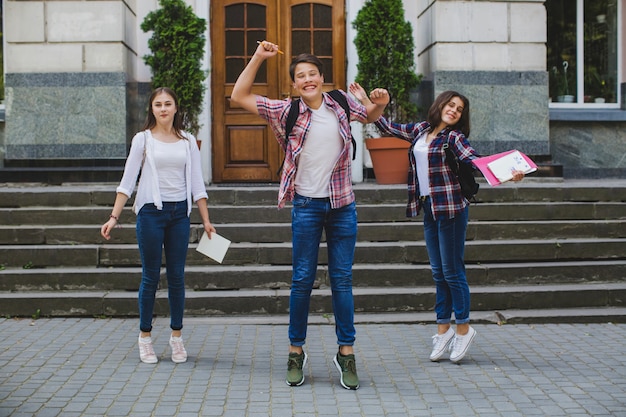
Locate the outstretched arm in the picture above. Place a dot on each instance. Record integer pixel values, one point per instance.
(242, 91)
(375, 103)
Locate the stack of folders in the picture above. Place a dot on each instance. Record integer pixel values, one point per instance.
(499, 168)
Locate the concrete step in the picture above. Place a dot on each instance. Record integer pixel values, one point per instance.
(276, 302)
(530, 246)
(249, 277)
(73, 234)
(535, 250)
(384, 212)
(103, 194)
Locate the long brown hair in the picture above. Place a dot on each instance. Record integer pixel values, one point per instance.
(178, 117)
(434, 113)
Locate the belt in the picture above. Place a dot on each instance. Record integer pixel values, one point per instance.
(324, 199)
(423, 198)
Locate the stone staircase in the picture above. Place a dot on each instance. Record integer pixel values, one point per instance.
(541, 250)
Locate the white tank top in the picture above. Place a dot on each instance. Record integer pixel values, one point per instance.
(170, 160)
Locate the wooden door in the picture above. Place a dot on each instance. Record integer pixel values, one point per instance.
(244, 147)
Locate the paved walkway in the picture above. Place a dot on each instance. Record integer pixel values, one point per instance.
(91, 367)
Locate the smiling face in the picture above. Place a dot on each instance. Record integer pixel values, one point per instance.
(452, 111)
(307, 83)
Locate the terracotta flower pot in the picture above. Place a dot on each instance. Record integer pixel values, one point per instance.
(390, 159)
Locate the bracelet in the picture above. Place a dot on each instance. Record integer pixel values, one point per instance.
(117, 219)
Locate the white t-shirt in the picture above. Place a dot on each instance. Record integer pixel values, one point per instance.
(420, 151)
(319, 155)
(170, 160)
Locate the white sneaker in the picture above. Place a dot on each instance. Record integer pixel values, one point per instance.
(460, 345)
(146, 351)
(441, 343)
(179, 354)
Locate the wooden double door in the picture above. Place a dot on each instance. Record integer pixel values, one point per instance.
(244, 147)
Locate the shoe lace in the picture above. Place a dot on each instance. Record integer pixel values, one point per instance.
(146, 349)
(349, 365)
(177, 347)
(294, 362)
(438, 340)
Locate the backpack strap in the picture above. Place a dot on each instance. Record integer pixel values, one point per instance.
(292, 116)
(343, 102)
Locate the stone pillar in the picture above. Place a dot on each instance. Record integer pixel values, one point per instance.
(67, 68)
(494, 53)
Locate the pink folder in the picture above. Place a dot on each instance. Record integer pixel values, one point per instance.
(483, 165)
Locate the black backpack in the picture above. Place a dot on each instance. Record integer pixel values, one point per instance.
(294, 112)
(463, 172)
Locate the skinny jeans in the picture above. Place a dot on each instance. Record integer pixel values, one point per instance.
(162, 231)
(445, 244)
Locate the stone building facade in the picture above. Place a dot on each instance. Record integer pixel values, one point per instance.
(76, 84)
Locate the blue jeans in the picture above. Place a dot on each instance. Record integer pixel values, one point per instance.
(309, 216)
(445, 243)
(157, 231)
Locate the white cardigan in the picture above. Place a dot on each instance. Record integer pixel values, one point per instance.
(148, 189)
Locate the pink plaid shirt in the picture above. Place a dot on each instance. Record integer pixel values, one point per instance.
(276, 111)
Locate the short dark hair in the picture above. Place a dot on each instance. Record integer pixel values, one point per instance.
(311, 59)
(434, 113)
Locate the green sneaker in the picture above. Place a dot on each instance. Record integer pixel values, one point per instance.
(346, 365)
(295, 376)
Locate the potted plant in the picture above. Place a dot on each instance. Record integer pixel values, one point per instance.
(384, 44)
(179, 68)
(561, 83)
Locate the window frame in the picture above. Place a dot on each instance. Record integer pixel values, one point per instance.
(580, 67)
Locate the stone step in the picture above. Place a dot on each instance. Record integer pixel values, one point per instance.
(103, 194)
(240, 277)
(366, 213)
(73, 234)
(530, 246)
(531, 250)
(276, 302)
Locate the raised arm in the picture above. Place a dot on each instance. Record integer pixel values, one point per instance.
(375, 103)
(242, 91)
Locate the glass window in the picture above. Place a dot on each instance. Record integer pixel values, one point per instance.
(583, 48)
(245, 26)
(312, 32)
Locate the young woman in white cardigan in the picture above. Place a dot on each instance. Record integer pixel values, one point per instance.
(171, 181)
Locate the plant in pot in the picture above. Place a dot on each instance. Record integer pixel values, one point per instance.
(384, 44)
(561, 81)
(177, 46)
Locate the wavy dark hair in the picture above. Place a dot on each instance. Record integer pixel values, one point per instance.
(309, 58)
(434, 113)
(178, 118)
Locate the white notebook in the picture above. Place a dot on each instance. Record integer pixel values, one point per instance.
(215, 248)
(503, 167)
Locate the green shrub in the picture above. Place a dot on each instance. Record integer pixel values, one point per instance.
(177, 46)
(384, 44)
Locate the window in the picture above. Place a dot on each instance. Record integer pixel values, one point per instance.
(583, 52)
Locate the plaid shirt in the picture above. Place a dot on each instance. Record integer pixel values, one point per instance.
(445, 191)
(276, 111)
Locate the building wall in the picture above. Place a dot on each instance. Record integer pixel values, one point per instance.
(76, 84)
(494, 53)
(66, 77)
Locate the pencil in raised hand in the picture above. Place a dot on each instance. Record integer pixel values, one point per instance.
(278, 50)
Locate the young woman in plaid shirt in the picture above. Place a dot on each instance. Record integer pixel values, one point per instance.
(432, 187)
